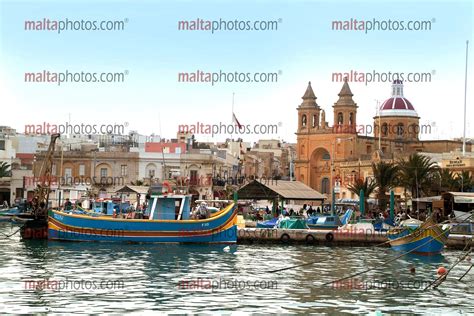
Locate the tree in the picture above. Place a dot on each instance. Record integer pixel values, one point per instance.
(368, 185)
(417, 174)
(464, 181)
(447, 180)
(386, 177)
(5, 170)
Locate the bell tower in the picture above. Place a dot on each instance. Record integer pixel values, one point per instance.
(308, 112)
(345, 111)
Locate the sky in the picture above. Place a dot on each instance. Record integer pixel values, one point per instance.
(151, 52)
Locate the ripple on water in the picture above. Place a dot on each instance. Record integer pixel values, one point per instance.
(151, 276)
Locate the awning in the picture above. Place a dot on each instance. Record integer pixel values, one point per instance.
(134, 189)
(428, 199)
(271, 189)
(463, 199)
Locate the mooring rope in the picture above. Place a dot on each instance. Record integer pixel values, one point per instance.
(389, 261)
(465, 273)
(442, 277)
(374, 246)
(8, 236)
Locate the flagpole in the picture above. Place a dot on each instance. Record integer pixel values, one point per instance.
(465, 96)
(232, 118)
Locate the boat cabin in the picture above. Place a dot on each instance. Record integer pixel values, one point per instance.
(169, 207)
(107, 207)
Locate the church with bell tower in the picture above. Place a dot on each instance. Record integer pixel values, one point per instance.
(331, 156)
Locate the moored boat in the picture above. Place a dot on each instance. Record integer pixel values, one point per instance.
(429, 238)
(329, 221)
(167, 219)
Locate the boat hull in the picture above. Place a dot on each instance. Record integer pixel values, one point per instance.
(427, 245)
(428, 239)
(217, 229)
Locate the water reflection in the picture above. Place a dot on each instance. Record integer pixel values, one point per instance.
(153, 274)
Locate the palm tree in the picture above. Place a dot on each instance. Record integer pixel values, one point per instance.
(418, 173)
(5, 170)
(464, 181)
(447, 180)
(368, 185)
(386, 177)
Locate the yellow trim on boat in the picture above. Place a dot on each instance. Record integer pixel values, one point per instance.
(108, 218)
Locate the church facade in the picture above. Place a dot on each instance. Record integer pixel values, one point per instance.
(335, 154)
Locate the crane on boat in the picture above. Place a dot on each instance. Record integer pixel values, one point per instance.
(43, 188)
(37, 228)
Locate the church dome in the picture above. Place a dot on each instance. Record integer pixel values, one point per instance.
(397, 105)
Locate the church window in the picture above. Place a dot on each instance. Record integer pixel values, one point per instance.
(325, 186)
(303, 120)
(384, 129)
(400, 129)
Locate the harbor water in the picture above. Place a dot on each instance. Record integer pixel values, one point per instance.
(66, 277)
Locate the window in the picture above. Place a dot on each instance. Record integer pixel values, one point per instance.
(82, 170)
(103, 172)
(340, 119)
(151, 173)
(2, 145)
(123, 170)
(193, 177)
(303, 120)
(384, 129)
(325, 186)
(351, 118)
(326, 156)
(314, 122)
(369, 149)
(68, 175)
(53, 169)
(400, 129)
(177, 150)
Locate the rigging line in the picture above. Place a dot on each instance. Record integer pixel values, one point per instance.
(387, 262)
(442, 277)
(375, 246)
(8, 236)
(465, 273)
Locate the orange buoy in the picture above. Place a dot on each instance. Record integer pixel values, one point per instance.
(442, 270)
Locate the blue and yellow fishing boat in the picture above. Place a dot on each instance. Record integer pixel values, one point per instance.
(427, 239)
(168, 218)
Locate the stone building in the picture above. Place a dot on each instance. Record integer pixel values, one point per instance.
(76, 172)
(334, 154)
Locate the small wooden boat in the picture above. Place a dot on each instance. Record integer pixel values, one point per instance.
(167, 219)
(426, 239)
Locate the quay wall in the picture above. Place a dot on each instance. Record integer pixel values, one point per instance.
(250, 235)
